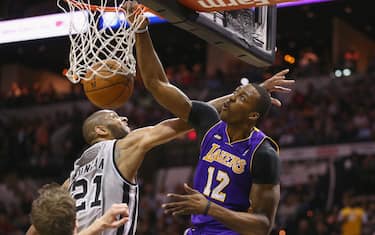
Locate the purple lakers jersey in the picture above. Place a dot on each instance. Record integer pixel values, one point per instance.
(223, 173)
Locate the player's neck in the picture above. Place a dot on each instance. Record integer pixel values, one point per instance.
(239, 132)
(97, 140)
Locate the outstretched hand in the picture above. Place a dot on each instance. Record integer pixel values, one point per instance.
(277, 83)
(192, 203)
(134, 12)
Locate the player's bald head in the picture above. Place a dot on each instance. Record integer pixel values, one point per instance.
(95, 119)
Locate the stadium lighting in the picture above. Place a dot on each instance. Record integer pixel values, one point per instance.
(347, 72)
(301, 2)
(244, 81)
(54, 25)
(112, 20)
(289, 59)
(338, 73)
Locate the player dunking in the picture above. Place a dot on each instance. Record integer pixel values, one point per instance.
(106, 172)
(236, 184)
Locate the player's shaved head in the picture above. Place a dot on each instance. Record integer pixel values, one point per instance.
(95, 119)
(104, 125)
(263, 104)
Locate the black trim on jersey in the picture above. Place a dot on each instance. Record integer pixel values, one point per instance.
(118, 171)
(202, 117)
(134, 219)
(266, 165)
(125, 199)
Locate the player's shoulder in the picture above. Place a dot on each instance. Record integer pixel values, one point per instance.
(266, 154)
(203, 109)
(267, 148)
(345, 211)
(360, 210)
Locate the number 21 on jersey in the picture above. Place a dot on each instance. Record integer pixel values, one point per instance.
(217, 192)
(81, 187)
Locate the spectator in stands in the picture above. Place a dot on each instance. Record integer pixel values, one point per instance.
(351, 217)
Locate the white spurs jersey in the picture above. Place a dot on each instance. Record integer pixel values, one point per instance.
(96, 184)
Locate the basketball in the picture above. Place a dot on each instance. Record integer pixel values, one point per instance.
(106, 90)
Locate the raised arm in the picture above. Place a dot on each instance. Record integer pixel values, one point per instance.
(277, 83)
(156, 81)
(168, 95)
(130, 151)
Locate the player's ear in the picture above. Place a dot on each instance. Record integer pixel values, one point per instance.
(101, 130)
(254, 116)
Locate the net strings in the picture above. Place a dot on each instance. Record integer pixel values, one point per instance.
(93, 45)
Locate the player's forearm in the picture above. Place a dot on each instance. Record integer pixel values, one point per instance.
(150, 67)
(219, 102)
(242, 222)
(156, 82)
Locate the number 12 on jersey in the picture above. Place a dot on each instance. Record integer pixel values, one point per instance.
(217, 192)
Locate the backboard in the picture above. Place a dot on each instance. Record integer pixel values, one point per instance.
(248, 34)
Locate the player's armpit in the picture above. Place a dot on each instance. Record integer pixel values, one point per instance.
(156, 81)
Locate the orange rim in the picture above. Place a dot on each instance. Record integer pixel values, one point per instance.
(85, 6)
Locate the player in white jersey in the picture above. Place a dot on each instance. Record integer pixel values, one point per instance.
(106, 172)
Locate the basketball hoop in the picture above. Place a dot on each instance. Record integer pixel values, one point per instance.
(99, 32)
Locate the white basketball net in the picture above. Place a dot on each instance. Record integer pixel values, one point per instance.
(94, 39)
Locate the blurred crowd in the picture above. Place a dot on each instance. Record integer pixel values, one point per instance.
(340, 112)
(345, 103)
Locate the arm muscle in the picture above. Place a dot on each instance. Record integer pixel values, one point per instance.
(130, 151)
(156, 81)
(259, 219)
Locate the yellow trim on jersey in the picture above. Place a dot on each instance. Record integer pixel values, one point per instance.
(252, 155)
(229, 141)
(275, 145)
(204, 137)
(256, 128)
